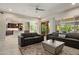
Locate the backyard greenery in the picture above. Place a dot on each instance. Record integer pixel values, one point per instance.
(65, 28)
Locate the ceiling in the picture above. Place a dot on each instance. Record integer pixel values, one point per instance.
(28, 9)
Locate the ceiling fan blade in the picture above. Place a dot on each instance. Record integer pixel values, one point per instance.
(41, 9)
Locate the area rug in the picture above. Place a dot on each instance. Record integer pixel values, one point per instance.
(37, 49)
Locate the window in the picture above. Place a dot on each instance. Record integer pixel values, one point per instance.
(33, 26)
(66, 26)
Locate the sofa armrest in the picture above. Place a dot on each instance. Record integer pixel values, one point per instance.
(20, 40)
(20, 37)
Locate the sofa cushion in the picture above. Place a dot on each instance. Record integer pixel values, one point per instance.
(62, 35)
(36, 37)
(34, 34)
(55, 34)
(72, 35)
(24, 35)
(29, 34)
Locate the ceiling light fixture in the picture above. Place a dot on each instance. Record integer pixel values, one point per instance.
(10, 9)
(73, 3)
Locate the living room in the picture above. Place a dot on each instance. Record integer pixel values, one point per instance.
(39, 29)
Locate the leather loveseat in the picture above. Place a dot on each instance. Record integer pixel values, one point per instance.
(29, 38)
(70, 39)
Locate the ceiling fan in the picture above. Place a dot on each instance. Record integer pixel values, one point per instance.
(39, 9)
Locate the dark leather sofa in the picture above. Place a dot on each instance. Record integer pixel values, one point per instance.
(29, 38)
(52, 35)
(70, 39)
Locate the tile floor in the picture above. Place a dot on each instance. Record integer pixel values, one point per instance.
(9, 46)
(37, 49)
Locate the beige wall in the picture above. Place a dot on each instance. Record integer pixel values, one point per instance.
(2, 27)
(67, 14)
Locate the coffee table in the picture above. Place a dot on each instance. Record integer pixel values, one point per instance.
(53, 47)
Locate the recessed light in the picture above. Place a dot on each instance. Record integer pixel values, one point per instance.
(10, 9)
(73, 3)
